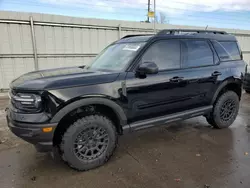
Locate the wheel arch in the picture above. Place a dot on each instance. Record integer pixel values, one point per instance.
(91, 101)
(67, 115)
(233, 84)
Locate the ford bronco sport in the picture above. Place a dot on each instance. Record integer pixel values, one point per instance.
(137, 82)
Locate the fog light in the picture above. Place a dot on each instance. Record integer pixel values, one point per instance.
(47, 129)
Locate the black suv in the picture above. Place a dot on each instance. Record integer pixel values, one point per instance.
(137, 82)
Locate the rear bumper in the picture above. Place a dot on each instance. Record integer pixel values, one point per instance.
(33, 133)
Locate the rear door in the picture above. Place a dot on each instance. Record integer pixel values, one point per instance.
(200, 69)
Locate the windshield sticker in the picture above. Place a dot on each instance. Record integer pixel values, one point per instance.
(131, 47)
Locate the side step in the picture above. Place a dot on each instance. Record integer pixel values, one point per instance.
(167, 119)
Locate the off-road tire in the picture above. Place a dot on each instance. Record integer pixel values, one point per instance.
(68, 142)
(215, 117)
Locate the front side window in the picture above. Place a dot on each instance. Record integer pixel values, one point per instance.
(166, 54)
(116, 56)
(196, 53)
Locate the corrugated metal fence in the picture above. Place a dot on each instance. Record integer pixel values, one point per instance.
(31, 42)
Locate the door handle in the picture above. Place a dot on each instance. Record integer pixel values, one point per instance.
(176, 79)
(216, 73)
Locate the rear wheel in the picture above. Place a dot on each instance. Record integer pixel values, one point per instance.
(89, 142)
(225, 110)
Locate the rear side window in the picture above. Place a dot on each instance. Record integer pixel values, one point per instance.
(166, 54)
(227, 50)
(196, 53)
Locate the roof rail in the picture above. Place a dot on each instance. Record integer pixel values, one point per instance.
(128, 36)
(178, 31)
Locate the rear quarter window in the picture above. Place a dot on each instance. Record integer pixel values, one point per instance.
(227, 50)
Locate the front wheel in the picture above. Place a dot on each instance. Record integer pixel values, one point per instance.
(225, 110)
(89, 142)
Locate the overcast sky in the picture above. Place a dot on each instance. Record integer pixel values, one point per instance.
(214, 13)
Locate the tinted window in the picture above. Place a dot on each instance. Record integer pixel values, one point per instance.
(166, 54)
(227, 50)
(116, 56)
(196, 53)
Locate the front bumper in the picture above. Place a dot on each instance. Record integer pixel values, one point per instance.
(246, 82)
(32, 132)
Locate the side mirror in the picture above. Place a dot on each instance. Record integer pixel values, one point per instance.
(147, 68)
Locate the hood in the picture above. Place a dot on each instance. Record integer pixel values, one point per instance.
(61, 78)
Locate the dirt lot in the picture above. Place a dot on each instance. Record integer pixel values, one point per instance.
(186, 154)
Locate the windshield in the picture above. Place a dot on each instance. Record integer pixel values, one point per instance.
(116, 56)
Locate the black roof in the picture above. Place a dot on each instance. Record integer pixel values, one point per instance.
(178, 33)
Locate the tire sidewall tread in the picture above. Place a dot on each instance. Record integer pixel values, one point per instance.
(214, 119)
(69, 136)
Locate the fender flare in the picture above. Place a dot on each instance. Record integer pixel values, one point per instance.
(224, 84)
(88, 101)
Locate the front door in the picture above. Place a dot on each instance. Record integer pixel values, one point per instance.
(160, 93)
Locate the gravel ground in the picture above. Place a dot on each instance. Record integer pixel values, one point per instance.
(186, 154)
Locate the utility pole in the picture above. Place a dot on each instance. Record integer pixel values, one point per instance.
(154, 16)
(148, 10)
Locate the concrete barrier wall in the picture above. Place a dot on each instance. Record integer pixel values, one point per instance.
(31, 41)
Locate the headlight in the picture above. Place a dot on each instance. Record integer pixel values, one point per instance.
(26, 102)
